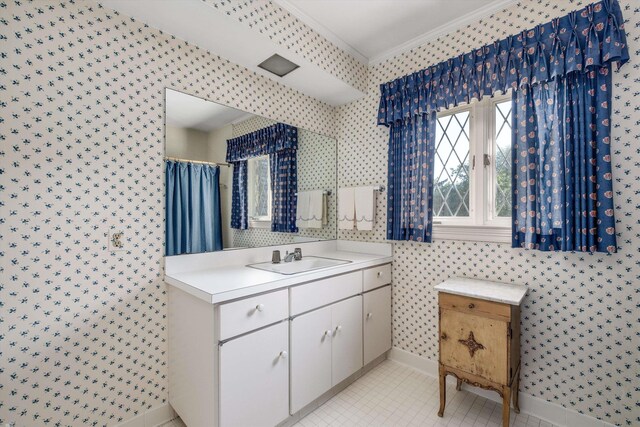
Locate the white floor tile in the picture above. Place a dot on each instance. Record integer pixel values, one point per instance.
(395, 395)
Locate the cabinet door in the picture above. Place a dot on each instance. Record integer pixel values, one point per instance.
(377, 323)
(474, 344)
(311, 336)
(347, 338)
(254, 378)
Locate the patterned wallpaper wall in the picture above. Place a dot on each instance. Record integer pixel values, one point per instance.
(580, 324)
(82, 329)
(316, 170)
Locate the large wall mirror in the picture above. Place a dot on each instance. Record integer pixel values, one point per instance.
(237, 180)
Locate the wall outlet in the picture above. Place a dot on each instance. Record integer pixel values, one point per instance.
(116, 239)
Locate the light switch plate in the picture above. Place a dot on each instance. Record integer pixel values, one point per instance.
(117, 240)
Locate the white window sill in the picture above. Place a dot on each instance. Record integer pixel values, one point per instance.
(472, 233)
(259, 224)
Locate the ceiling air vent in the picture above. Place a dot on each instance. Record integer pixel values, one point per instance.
(278, 65)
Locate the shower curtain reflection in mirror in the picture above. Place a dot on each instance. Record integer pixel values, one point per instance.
(193, 222)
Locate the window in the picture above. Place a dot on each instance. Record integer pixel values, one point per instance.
(259, 194)
(472, 172)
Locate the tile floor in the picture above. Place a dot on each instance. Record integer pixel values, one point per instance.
(395, 395)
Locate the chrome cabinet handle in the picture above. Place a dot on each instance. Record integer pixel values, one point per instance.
(283, 354)
(260, 307)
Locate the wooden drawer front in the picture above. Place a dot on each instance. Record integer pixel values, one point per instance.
(474, 344)
(481, 307)
(377, 276)
(252, 313)
(322, 292)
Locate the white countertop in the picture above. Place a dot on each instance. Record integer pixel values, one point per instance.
(484, 289)
(224, 283)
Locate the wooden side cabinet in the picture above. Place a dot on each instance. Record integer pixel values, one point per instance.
(479, 338)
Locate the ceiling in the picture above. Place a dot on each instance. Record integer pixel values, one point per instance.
(374, 30)
(369, 30)
(205, 26)
(187, 111)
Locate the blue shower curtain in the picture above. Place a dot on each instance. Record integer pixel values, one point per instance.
(193, 211)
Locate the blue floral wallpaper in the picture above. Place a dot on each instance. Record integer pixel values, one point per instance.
(83, 330)
(580, 321)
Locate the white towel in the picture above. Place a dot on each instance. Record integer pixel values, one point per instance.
(315, 209)
(346, 208)
(365, 201)
(302, 211)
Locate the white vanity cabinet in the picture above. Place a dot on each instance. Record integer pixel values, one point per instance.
(376, 311)
(255, 360)
(326, 348)
(376, 321)
(254, 372)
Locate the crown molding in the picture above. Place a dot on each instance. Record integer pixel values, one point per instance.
(442, 30)
(321, 29)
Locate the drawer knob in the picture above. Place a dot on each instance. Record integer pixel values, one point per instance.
(283, 354)
(379, 273)
(260, 307)
(369, 315)
(327, 333)
(338, 328)
(472, 306)
(444, 336)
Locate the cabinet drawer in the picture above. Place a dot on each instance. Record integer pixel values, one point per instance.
(474, 344)
(252, 313)
(322, 292)
(377, 276)
(475, 306)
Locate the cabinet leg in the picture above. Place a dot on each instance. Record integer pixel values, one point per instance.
(459, 384)
(506, 402)
(443, 391)
(515, 393)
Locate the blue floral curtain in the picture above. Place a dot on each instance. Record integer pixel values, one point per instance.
(280, 142)
(586, 43)
(409, 198)
(284, 189)
(239, 198)
(193, 222)
(562, 186)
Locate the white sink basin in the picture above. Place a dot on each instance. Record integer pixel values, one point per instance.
(308, 263)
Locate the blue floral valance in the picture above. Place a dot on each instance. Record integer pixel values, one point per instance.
(590, 37)
(268, 140)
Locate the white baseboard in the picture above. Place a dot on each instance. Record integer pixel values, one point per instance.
(531, 405)
(151, 418)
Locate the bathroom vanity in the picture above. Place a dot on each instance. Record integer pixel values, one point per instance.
(254, 347)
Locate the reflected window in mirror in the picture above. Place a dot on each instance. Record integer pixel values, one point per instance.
(259, 177)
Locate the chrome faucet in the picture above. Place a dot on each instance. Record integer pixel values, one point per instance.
(289, 257)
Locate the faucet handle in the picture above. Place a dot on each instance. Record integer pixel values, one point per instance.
(275, 257)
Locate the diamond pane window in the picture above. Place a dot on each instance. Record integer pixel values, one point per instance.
(451, 188)
(503, 159)
(259, 188)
